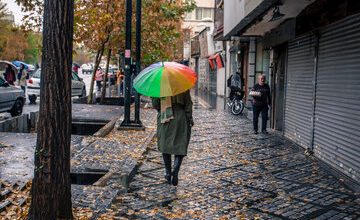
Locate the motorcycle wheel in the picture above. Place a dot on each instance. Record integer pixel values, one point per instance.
(237, 107)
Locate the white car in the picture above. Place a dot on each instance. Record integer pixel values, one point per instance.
(87, 68)
(77, 85)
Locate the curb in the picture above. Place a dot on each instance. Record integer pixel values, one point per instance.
(106, 129)
(146, 146)
(123, 178)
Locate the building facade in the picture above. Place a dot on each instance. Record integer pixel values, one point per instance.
(310, 52)
(195, 22)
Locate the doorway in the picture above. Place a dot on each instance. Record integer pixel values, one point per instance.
(278, 87)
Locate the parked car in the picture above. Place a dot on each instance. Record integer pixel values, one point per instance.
(12, 98)
(3, 64)
(87, 68)
(78, 87)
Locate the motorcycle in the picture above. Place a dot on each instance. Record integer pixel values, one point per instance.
(235, 103)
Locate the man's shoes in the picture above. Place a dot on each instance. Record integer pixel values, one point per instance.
(255, 132)
(264, 132)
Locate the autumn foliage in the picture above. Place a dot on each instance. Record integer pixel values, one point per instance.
(103, 22)
(15, 43)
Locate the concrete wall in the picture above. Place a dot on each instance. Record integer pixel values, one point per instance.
(250, 5)
(205, 3)
(259, 57)
(202, 79)
(211, 43)
(220, 82)
(19, 124)
(236, 10)
(251, 74)
(227, 65)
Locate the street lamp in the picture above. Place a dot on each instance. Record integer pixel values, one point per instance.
(127, 123)
(127, 67)
(138, 59)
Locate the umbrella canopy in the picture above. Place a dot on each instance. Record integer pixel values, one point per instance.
(165, 79)
(17, 63)
(2, 66)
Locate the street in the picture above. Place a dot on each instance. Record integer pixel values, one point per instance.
(35, 107)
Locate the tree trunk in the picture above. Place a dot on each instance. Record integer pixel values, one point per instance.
(96, 66)
(103, 91)
(51, 188)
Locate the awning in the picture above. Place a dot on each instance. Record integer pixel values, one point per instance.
(251, 18)
(216, 60)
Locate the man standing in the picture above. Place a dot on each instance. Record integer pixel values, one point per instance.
(261, 103)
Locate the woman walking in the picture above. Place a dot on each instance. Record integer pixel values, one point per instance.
(22, 75)
(99, 78)
(174, 124)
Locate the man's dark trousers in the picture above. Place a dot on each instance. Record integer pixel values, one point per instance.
(264, 115)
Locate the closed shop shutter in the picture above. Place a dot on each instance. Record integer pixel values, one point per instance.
(299, 90)
(337, 110)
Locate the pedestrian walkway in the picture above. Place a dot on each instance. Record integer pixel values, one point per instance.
(230, 173)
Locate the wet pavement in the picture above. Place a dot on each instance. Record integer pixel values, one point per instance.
(115, 155)
(230, 173)
(86, 112)
(209, 100)
(17, 155)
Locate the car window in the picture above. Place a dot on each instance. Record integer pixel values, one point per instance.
(75, 77)
(37, 74)
(2, 81)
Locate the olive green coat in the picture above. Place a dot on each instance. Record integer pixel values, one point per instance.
(173, 137)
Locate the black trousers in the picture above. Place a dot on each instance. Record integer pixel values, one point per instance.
(98, 84)
(264, 116)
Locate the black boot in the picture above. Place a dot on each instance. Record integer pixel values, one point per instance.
(167, 162)
(177, 164)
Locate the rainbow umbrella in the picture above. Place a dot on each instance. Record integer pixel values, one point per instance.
(165, 79)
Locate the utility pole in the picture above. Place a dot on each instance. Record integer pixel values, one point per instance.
(138, 58)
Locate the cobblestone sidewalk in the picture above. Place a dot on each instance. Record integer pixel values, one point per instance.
(117, 154)
(231, 173)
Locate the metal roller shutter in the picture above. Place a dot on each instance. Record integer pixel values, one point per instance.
(337, 111)
(299, 90)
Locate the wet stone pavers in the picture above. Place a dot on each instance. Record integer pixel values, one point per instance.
(117, 154)
(230, 173)
(92, 197)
